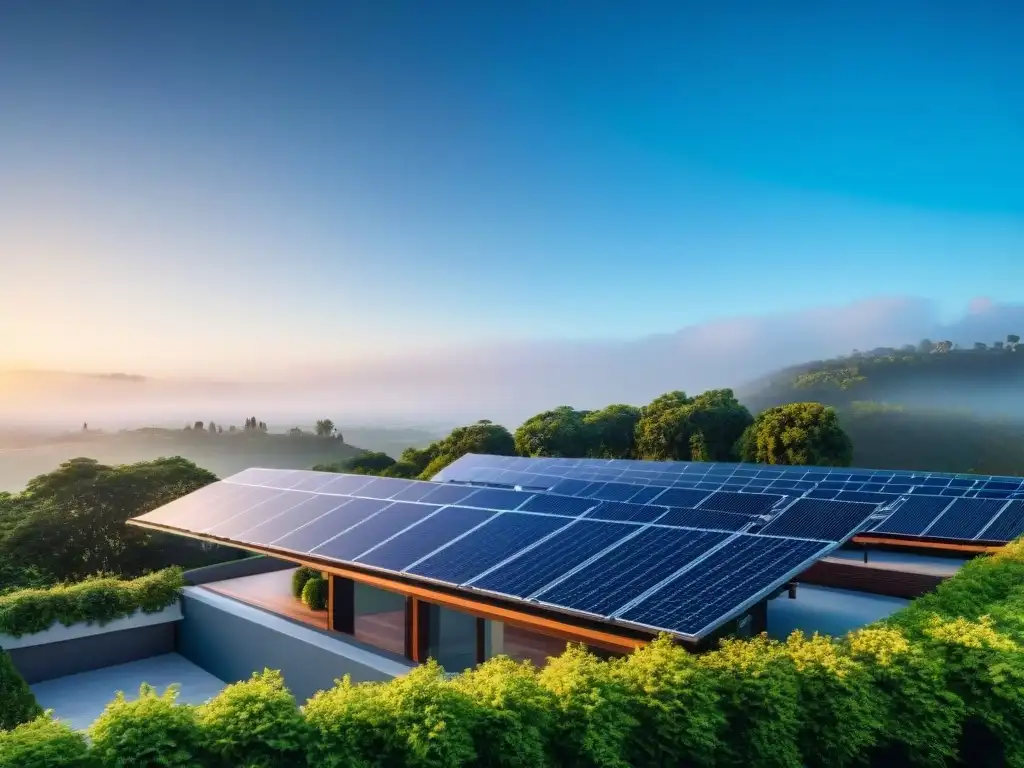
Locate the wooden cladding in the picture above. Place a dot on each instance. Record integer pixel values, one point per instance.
(862, 577)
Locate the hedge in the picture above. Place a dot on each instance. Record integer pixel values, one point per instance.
(96, 600)
(300, 576)
(17, 702)
(940, 683)
(314, 593)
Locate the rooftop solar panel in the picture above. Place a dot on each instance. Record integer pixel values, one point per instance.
(820, 519)
(1007, 525)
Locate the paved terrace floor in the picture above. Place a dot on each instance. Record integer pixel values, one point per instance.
(79, 699)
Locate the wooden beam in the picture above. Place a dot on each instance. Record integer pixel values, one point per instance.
(974, 549)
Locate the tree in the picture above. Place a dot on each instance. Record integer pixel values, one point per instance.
(220, 430)
(17, 702)
(325, 428)
(1012, 340)
(296, 432)
(198, 426)
(232, 428)
(997, 345)
(925, 346)
(85, 426)
(75, 523)
(482, 437)
(560, 432)
(212, 428)
(943, 347)
(798, 434)
(908, 349)
(369, 463)
(680, 428)
(263, 426)
(612, 432)
(188, 428)
(980, 346)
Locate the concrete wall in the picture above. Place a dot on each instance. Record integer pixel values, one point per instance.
(235, 569)
(231, 640)
(37, 663)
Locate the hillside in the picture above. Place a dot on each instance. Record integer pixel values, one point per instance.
(984, 379)
(223, 454)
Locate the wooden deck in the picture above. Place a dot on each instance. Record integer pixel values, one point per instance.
(273, 592)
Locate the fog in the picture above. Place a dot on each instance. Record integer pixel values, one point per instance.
(508, 382)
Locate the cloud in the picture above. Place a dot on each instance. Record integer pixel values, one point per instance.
(509, 381)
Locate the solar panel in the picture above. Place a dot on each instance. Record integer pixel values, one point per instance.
(722, 584)
(348, 544)
(820, 519)
(964, 518)
(333, 524)
(745, 503)
(1007, 525)
(914, 515)
(623, 512)
(487, 546)
(613, 579)
(271, 530)
(422, 539)
(680, 497)
(707, 518)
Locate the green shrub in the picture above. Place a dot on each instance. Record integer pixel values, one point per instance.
(514, 715)
(676, 704)
(920, 718)
(96, 600)
(44, 743)
(299, 578)
(314, 594)
(419, 720)
(254, 723)
(759, 687)
(17, 702)
(593, 721)
(838, 707)
(153, 730)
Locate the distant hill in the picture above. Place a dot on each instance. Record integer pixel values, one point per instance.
(223, 454)
(985, 380)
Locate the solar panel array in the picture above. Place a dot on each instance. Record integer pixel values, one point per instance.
(685, 570)
(918, 504)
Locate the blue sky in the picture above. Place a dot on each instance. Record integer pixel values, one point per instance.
(202, 187)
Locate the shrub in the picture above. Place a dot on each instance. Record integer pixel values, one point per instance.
(592, 712)
(838, 708)
(676, 704)
(153, 730)
(17, 702)
(419, 720)
(758, 686)
(920, 718)
(254, 723)
(514, 714)
(314, 594)
(96, 600)
(44, 743)
(299, 578)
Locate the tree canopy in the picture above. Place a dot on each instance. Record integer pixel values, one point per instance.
(611, 432)
(798, 433)
(675, 427)
(560, 432)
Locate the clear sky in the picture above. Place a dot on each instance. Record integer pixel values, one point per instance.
(210, 187)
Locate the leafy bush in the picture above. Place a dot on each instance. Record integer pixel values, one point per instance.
(314, 593)
(299, 578)
(44, 743)
(678, 708)
(593, 720)
(17, 702)
(419, 720)
(96, 600)
(153, 730)
(514, 715)
(254, 723)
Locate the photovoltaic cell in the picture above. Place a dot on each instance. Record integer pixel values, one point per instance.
(429, 534)
(559, 505)
(630, 569)
(315, 533)
(721, 583)
(965, 518)
(707, 518)
(546, 562)
(680, 497)
(623, 512)
(383, 488)
(743, 503)
(646, 493)
(496, 498)
(347, 484)
(254, 515)
(495, 541)
(178, 512)
(225, 508)
(1008, 526)
(351, 541)
(449, 494)
(914, 515)
(273, 529)
(820, 519)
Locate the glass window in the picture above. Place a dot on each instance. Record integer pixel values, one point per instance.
(380, 618)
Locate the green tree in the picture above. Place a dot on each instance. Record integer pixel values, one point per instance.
(482, 437)
(369, 463)
(1012, 339)
(612, 432)
(198, 427)
(561, 432)
(17, 702)
(212, 428)
(702, 428)
(980, 346)
(925, 346)
(325, 428)
(75, 524)
(799, 434)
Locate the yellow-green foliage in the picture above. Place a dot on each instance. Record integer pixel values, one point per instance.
(514, 713)
(419, 720)
(254, 723)
(96, 600)
(44, 743)
(152, 730)
(314, 593)
(17, 702)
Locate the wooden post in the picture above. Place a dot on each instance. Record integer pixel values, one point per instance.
(417, 630)
(341, 605)
(481, 641)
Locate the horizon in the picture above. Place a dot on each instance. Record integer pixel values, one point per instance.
(552, 206)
